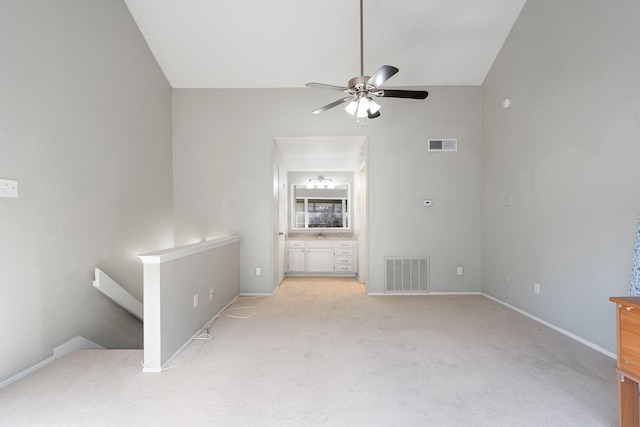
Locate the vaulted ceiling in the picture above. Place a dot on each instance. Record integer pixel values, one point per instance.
(287, 43)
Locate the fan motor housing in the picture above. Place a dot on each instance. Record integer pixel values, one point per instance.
(358, 81)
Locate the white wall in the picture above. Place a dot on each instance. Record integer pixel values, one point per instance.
(85, 127)
(566, 153)
(223, 175)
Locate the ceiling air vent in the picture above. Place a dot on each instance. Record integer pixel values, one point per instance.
(443, 145)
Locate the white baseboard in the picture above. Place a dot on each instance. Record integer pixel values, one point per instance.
(426, 294)
(554, 327)
(529, 315)
(77, 343)
(26, 372)
(62, 350)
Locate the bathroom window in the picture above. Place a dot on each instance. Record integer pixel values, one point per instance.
(314, 209)
(321, 213)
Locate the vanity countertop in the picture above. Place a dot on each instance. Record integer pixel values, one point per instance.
(327, 236)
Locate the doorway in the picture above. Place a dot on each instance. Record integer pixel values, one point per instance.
(326, 155)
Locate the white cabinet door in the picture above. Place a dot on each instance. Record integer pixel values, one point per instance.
(320, 261)
(296, 260)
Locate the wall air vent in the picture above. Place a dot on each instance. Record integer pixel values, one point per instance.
(406, 274)
(443, 145)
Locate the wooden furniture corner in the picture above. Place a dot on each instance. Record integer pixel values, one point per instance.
(628, 360)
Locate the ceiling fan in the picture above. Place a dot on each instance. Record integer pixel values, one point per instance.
(361, 89)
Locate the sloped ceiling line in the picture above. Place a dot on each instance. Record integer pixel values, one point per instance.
(287, 43)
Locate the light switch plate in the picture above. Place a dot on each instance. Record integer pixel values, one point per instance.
(8, 188)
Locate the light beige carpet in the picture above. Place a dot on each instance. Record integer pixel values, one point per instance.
(321, 353)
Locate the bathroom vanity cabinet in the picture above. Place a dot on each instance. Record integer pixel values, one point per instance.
(320, 256)
(296, 257)
(315, 257)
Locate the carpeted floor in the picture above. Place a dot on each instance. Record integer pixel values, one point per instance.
(322, 353)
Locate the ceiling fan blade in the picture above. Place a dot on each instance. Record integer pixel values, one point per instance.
(373, 115)
(332, 105)
(324, 86)
(382, 75)
(396, 93)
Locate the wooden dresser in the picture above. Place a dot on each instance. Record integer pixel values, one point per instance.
(628, 363)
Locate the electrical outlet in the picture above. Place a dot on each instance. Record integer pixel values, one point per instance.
(536, 288)
(8, 188)
(459, 271)
(211, 293)
(195, 300)
(258, 271)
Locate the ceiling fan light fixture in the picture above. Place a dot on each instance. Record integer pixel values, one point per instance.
(374, 107)
(352, 107)
(363, 106)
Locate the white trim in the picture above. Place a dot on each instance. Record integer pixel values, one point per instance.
(26, 372)
(395, 294)
(74, 344)
(328, 274)
(529, 315)
(62, 350)
(170, 254)
(554, 327)
(117, 293)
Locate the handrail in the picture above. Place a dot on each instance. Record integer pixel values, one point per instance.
(165, 255)
(117, 293)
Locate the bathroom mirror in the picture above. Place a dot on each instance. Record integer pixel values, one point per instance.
(320, 207)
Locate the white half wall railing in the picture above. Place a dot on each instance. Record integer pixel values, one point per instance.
(184, 289)
(110, 288)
